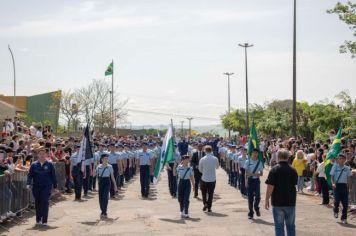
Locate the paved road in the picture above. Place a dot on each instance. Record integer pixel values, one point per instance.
(131, 215)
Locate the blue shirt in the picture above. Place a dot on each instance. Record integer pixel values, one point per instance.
(42, 175)
(104, 171)
(242, 160)
(250, 166)
(340, 178)
(184, 171)
(145, 158)
(113, 157)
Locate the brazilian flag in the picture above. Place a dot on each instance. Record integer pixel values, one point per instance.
(110, 69)
(332, 154)
(254, 142)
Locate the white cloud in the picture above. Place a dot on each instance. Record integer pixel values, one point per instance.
(87, 16)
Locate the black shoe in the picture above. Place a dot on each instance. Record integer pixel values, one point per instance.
(250, 216)
(205, 208)
(258, 213)
(209, 210)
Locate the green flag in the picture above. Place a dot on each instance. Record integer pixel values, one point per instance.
(254, 142)
(167, 154)
(332, 154)
(110, 69)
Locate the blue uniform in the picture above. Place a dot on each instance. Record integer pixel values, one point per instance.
(253, 189)
(113, 158)
(241, 161)
(77, 176)
(42, 177)
(341, 193)
(145, 162)
(103, 174)
(172, 180)
(184, 174)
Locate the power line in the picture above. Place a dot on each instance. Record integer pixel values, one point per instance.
(172, 114)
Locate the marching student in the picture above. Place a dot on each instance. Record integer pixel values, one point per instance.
(105, 175)
(185, 175)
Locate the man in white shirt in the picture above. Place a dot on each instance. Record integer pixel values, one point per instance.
(207, 166)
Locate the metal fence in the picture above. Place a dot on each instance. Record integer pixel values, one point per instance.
(15, 197)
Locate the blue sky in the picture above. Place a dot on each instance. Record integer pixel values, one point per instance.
(170, 55)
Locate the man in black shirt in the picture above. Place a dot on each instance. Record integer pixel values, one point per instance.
(281, 183)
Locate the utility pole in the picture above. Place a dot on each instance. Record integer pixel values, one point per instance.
(228, 95)
(246, 45)
(182, 122)
(294, 128)
(190, 125)
(13, 65)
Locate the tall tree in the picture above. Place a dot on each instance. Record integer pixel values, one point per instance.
(347, 14)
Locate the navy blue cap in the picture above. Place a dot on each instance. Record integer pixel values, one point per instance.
(104, 155)
(185, 157)
(144, 143)
(112, 144)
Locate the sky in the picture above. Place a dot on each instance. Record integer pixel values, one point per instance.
(170, 56)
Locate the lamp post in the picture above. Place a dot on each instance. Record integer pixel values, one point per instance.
(228, 95)
(190, 125)
(182, 122)
(13, 64)
(246, 45)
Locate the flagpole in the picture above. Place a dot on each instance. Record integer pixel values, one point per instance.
(112, 92)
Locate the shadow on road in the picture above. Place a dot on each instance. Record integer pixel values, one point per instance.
(215, 214)
(181, 221)
(347, 225)
(262, 222)
(43, 228)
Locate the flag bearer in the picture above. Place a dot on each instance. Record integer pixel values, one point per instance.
(42, 177)
(253, 171)
(76, 173)
(105, 175)
(185, 175)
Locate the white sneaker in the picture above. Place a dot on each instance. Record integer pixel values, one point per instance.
(186, 216)
(44, 224)
(10, 214)
(182, 214)
(344, 222)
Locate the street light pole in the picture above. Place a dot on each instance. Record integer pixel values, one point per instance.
(13, 64)
(294, 128)
(182, 122)
(246, 45)
(228, 95)
(190, 125)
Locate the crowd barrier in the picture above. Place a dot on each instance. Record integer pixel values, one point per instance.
(15, 197)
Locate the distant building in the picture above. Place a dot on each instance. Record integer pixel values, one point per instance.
(41, 108)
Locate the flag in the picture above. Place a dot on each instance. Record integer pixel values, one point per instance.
(167, 154)
(110, 69)
(253, 142)
(332, 154)
(85, 151)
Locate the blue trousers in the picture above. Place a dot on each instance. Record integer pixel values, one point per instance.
(127, 171)
(145, 180)
(184, 189)
(42, 195)
(78, 183)
(115, 169)
(254, 195)
(281, 216)
(242, 182)
(341, 195)
(104, 189)
(172, 181)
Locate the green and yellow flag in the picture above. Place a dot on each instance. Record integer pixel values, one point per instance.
(332, 154)
(254, 142)
(110, 69)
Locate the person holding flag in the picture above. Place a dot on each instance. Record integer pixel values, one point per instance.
(253, 171)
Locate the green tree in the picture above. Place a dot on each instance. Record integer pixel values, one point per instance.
(347, 14)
